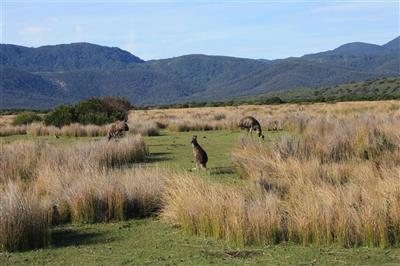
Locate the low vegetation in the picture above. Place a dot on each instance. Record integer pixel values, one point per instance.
(369, 90)
(337, 183)
(26, 118)
(44, 185)
(327, 174)
(23, 220)
(8, 130)
(98, 111)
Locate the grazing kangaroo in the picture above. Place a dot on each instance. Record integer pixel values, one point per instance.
(251, 124)
(200, 155)
(117, 130)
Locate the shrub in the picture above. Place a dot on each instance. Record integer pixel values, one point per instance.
(100, 111)
(96, 111)
(62, 115)
(25, 118)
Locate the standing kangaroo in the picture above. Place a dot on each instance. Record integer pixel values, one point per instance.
(251, 124)
(117, 129)
(200, 155)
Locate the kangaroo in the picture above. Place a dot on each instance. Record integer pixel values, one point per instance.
(251, 124)
(200, 155)
(117, 130)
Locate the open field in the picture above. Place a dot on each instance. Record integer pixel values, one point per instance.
(324, 189)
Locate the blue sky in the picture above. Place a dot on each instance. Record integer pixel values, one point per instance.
(160, 30)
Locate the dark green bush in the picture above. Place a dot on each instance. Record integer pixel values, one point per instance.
(98, 111)
(62, 115)
(26, 118)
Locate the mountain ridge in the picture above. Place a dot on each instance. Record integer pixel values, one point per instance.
(70, 72)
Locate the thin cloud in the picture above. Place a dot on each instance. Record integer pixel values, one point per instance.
(34, 30)
(78, 29)
(34, 35)
(346, 7)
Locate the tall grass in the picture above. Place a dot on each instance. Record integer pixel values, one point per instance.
(9, 130)
(213, 210)
(23, 221)
(18, 160)
(149, 128)
(73, 130)
(338, 182)
(84, 183)
(112, 153)
(116, 196)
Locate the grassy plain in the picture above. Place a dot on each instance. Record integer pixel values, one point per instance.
(149, 241)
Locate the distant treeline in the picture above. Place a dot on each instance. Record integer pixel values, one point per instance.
(386, 88)
(276, 100)
(261, 101)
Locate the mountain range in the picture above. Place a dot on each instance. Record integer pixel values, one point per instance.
(40, 78)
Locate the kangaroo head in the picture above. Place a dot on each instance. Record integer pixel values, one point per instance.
(194, 140)
(126, 127)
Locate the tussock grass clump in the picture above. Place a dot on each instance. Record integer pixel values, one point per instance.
(244, 216)
(38, 129)
(150, 128)
(78, 130)
(23, 221)
(116, 153)
(8, 130)
(91, 194)
(72, 130)
(18, 160)
(46, 185)
(96, 199)
(339, 181)
(300, 202)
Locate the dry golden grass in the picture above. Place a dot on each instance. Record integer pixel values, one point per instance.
(18, 161)
(214, 210)
(9, 130)
(147, 128)
(290, 117)
(335, 181)
(43, 184)
(23, 220)
(92, 194)
(73, 130)
(339, 181)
